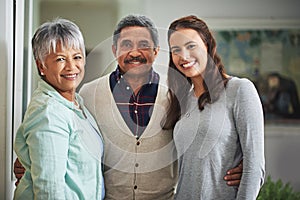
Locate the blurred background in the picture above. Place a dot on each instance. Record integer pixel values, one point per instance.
(257, 39)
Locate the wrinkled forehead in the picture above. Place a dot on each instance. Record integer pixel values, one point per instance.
(135, 33)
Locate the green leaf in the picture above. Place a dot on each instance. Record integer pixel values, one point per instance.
(277, 191)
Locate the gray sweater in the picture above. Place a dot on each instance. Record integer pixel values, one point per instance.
(218, 138)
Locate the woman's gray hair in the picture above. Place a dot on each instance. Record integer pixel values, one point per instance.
(50, 33)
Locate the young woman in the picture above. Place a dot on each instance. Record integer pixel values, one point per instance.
(59, 143)
(217, 118)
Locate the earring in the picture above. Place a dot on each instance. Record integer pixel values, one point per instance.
(42, 73)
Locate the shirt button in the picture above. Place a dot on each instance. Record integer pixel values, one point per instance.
(135, 111)
(127, 87)
(136, 164)
(135, 187)
(138, 143)
(187, 114)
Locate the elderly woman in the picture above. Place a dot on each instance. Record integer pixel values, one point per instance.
(59, 143)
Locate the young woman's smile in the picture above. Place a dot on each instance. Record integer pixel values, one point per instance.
(189, 52)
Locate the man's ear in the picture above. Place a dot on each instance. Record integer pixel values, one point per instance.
(114, 50)
(156, 50)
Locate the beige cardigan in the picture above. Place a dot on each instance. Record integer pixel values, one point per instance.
(134, 169)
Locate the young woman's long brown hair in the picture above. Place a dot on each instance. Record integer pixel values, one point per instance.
(214, 77)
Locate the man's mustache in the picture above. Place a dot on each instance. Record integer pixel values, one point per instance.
(135, 59)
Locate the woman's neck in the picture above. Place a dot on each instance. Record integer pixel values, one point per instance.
(198, 86)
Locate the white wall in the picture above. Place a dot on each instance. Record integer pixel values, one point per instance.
(282, 147)
(96, 19)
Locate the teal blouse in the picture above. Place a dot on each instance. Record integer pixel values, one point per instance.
(61, 149)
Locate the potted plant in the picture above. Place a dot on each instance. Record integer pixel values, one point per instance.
(277, 191)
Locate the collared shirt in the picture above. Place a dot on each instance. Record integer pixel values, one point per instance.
(136, 110)
(60, 147)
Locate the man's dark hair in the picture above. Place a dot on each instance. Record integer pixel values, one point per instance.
(136, 20)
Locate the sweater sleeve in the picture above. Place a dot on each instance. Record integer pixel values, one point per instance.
(248, 115)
